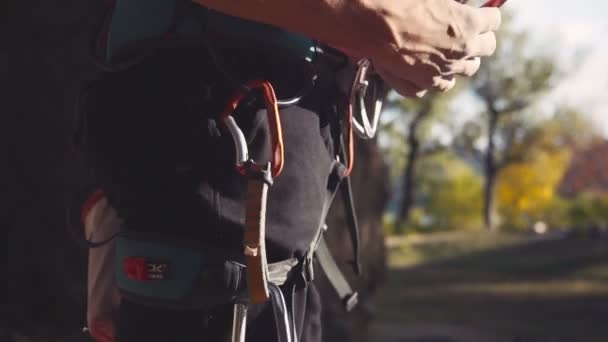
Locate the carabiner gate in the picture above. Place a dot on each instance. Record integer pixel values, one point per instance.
(366, 129)
(242, 158)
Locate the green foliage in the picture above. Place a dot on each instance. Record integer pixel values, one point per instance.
(537, 161)
(400, 112)
(449, 192)
(531, 150)
(449, 195)
(415, 249)
(526, 190)
(589, 210)
(556, 214)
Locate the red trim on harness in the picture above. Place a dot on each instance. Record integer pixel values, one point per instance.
(136, 268)
(95, 197)
(102, 330)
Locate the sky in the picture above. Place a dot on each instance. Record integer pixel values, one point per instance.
(578, 32)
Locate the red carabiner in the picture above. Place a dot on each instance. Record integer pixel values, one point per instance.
(489, 3)
(274, 121)
(494, 3)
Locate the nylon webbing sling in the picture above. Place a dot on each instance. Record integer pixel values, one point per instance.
(335, 276)
(346, 189)
(255, 234)
(326, 260)
(260, 287)
(319, 247)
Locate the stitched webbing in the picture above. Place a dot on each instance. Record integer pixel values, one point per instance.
(254, 239)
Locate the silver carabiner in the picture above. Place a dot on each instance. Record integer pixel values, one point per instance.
(239, 322)
(240, 143)
(366, 128)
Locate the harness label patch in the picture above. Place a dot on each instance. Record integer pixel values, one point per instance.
(145, 269)
(157, 270)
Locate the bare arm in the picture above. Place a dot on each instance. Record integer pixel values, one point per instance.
(415, 44)
(330, 21)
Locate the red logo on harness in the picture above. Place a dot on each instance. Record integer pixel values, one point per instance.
(144, 269)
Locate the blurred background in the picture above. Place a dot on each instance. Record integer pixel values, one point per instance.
(484, 211)
(497, 224)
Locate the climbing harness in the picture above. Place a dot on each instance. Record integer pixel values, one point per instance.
(260, 177)
(120, 44)
(155, 270)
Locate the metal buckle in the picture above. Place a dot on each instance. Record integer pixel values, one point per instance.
(351, 301)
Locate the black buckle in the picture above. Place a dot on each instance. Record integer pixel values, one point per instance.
(306, 269)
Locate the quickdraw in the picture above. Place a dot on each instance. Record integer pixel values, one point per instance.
(259, 179)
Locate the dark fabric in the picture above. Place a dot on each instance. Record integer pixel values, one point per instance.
(150, 144)
(145, 324)
(150, 140)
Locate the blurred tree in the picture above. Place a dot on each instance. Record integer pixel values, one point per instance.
(527, 189)
(449, 191)
(589, 210)
(419, 117)
(539, 157)
(507, 84)
(587, 171)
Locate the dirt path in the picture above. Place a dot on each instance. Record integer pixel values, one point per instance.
(431, 332)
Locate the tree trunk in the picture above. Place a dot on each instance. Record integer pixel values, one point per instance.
(490, 170)
(408, 188)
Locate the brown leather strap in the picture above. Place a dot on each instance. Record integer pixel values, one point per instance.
(253, 240)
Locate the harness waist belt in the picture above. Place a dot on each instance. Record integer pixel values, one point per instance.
(128, 29)
(168, 275)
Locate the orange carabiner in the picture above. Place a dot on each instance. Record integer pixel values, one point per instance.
(274, 121)
(350, 141)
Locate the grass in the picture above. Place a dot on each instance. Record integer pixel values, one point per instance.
(507, 285)
(412, 250)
